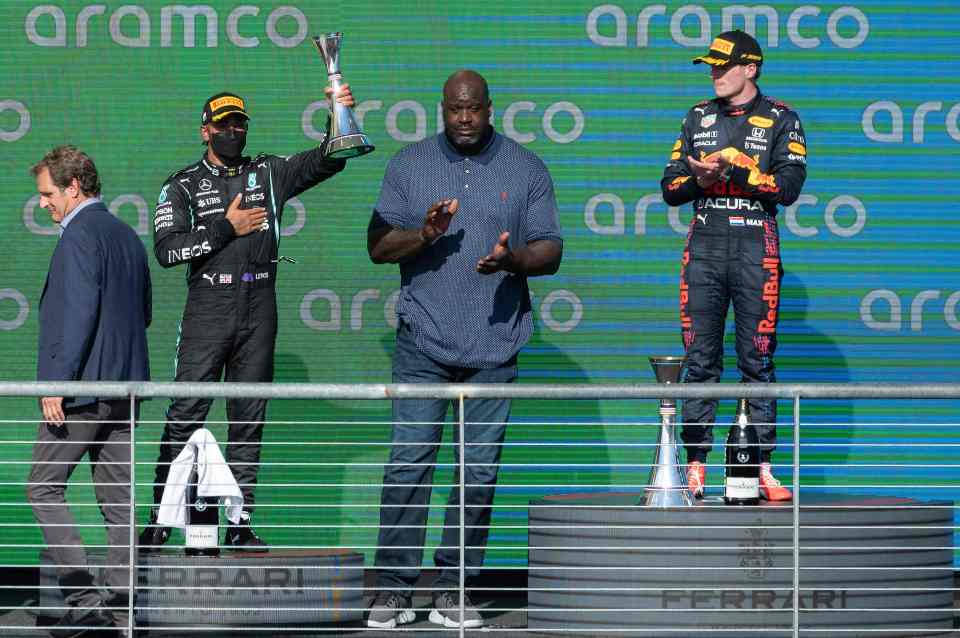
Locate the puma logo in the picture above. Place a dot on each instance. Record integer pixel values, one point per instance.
(210, 277)
(703, 218)
(776, 112)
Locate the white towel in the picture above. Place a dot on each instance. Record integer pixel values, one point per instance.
(214, 479)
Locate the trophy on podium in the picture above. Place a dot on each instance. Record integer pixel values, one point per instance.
(667, 485)
(345, 138)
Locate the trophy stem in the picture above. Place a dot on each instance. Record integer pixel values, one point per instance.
(345, 139)
(336, 81)
(667, 484)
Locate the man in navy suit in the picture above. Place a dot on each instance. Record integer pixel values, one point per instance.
(94, 312)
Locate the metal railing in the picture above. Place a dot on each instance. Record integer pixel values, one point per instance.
(461, 393)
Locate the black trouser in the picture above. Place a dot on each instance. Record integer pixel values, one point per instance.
(101, 430)
(204, 353)
(408, 477)
(729, 259)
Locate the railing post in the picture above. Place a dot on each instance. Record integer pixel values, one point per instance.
(463, 510)
(796, 516)
(132, 582)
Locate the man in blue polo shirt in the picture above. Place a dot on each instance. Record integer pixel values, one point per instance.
(468, 215)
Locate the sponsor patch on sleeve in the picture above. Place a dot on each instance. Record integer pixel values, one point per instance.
(762, 122)
(798, 148)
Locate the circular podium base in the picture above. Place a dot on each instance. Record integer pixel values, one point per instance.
(868, 567)
(282, 587)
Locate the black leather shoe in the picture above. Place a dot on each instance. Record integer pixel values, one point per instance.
(89, 621)
(152, 536)
(242, 538)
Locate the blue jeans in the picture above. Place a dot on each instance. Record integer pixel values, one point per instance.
(417, 432)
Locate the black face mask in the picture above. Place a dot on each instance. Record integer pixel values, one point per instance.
(228, 145)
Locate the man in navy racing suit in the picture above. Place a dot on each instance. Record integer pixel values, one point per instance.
(738, 157)
(221, 216)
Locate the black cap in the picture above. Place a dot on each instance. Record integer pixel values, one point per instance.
(221, 105)
(737, 47)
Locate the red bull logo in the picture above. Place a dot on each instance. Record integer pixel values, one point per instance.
(771, 241)
(764, 183)
(762, 343)
(771, 295)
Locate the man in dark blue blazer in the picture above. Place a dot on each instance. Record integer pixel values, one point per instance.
(94, 312)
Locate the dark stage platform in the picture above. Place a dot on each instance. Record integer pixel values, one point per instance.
(601, 562)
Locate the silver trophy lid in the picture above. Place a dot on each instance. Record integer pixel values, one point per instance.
(667, 368)
(329, 46)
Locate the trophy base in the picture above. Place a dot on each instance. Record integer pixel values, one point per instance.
(347, 146)
(658, 497)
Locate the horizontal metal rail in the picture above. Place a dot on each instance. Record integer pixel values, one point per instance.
(542, 392)
(374, 391)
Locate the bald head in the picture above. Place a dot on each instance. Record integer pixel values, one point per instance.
(466, 83)
(466, 111)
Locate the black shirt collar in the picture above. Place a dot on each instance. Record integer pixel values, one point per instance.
(483, 157)
(224, 171)
(741, 109)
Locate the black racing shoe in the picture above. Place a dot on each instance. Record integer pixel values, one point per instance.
(242, 538)
(152, 536)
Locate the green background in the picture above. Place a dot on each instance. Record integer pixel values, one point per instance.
(135, 110)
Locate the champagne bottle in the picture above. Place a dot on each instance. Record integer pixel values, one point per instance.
(203, 521)
(742, 485)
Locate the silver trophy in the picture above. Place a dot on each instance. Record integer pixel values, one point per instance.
(345, 138)
(667, 485)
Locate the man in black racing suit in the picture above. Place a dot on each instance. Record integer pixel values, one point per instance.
(738, 157)
(221, 216)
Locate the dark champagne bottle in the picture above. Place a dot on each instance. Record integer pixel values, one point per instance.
(742, 485)
(203, 521)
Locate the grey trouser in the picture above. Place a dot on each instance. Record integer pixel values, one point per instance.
(55, 455)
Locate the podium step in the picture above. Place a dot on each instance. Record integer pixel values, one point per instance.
(256, 589)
